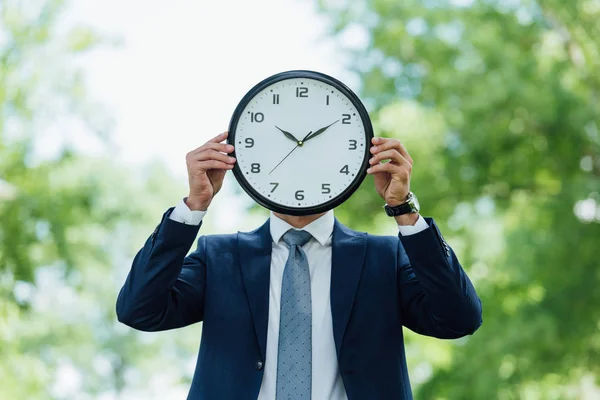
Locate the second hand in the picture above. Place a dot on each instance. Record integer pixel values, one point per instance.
(298, 145)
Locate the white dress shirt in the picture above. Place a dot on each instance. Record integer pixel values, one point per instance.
(326, 379)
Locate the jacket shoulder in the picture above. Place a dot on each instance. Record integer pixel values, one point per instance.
(383, 243)
(224, 239)
(229, 241)
(372, 240)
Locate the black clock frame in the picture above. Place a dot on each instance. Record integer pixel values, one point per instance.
(360, 176)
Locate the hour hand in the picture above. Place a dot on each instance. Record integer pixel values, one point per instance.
(288, 135)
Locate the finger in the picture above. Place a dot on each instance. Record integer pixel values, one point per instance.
(395, 171)
(221, 147)
(388, 144)
(216, 140)
(213, 155)
(392, 155)
(382, 144)
(384, 167)
(219, 138)
(204, 166)
(381, 140)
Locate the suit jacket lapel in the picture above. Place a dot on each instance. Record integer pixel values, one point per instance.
(255, 261)
(348, 254)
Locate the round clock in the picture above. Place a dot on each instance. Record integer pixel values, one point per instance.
(301, 141)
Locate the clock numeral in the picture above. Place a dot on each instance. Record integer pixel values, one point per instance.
(300, 195)
(326, 187)
(255, 168)
(249, 142)
(327, 101)
(257, 117)
(275, 184)
(346, 119)
(301, 91)
(344, 170)
(352, 144)
(275, 98)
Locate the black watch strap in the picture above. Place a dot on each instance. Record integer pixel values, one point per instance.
(401, 209)
(408, 207)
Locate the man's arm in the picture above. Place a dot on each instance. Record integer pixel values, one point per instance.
(437, 297)
(165, 289)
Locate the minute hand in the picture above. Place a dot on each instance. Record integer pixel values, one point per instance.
(317, 133)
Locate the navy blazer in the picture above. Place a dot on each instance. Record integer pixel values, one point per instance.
(378, 285)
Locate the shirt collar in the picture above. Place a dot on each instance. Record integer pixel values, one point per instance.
(321, 228)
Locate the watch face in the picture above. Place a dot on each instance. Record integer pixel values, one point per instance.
(416, 206)
(301, 142)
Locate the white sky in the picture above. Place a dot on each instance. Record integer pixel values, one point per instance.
(185, 64)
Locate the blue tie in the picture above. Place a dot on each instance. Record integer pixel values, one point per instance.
(294, 360)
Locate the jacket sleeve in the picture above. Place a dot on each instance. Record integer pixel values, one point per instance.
(165, 289)
(437, 297)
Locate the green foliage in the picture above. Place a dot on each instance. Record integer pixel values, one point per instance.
(497, 102)
(69, 226)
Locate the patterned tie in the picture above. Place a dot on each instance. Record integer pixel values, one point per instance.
(294, 360)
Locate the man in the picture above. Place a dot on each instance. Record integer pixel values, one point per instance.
(302, 307)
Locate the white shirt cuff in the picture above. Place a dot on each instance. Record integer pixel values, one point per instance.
(182, 213)
(420, 225)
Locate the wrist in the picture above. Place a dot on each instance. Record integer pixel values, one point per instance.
(409, 206)
(407, 219)
(195, 204)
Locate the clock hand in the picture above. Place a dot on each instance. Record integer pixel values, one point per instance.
(310, 135)
(287, 134)
(298, 145)
(317, 133)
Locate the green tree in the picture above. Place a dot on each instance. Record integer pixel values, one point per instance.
(69, 225)
(497, 102)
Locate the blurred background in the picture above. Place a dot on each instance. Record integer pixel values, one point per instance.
(496, 100)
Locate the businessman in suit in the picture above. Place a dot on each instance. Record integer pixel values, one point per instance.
(303, 307)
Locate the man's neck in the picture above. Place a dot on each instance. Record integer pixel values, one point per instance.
(299, 221)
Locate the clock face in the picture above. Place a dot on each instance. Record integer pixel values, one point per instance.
(301, 142)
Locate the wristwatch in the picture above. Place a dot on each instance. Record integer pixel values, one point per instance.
(411, 205)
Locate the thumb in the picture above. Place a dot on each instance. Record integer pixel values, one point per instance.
(381, 181)
(216, 178)
(380, 178)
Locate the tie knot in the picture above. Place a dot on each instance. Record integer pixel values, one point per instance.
(295, 237)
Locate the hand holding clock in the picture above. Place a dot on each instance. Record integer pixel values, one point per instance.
(206, 168)
(392, 178)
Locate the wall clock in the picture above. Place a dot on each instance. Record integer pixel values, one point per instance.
(301, 141)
